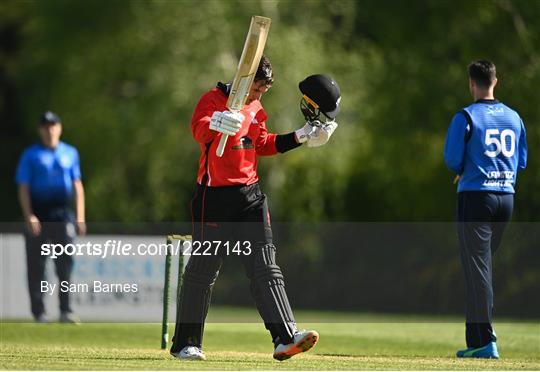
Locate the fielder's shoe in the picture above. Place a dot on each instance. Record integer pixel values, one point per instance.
(68, 317)
(303, 341)
(488, 352)
(41, 318)
(190, 353)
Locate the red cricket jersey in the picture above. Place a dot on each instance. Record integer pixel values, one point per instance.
(238, 165)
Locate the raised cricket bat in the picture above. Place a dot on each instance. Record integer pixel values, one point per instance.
(247, 67)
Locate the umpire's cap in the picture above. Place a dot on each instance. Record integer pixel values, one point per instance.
(49, 117)
(324, 91)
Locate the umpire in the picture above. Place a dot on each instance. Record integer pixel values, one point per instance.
(49, 179)
(485, 146)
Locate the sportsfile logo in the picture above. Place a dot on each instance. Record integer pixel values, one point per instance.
(120, 248)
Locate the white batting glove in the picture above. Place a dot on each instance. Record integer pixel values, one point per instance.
(303, 134)
(322, 134)
(226, 122)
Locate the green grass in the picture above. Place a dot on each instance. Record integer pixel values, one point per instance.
(363, 342)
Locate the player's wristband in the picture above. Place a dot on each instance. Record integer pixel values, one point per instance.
(286, 142)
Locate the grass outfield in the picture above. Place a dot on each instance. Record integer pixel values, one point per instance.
(363, 342)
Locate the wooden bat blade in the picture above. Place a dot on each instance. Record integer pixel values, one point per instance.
(247, 68)
(249, 61)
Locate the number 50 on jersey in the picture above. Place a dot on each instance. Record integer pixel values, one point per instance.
(501, 142)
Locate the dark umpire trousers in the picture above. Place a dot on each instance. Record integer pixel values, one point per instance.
(57, 227)
(234, 214)
(482, 219)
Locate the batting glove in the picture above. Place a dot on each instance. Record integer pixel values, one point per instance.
(226, 122)
(322, 134)
(303, 134)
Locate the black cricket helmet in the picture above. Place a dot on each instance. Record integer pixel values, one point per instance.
(321, 95)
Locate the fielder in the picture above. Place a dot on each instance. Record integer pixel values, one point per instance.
(486, 146)
(228, 205)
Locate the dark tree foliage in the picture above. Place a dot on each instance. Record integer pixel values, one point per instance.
(126, 75)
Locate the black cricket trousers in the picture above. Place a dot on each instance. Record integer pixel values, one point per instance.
(57, 227)
(233, 214)
(482, 219)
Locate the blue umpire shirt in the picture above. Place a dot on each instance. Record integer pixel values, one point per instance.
(49, 173)
(486, 145)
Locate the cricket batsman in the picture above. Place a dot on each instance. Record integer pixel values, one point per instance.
(486, 146)
(229, 205)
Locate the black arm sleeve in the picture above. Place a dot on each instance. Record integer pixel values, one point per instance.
(286, 142)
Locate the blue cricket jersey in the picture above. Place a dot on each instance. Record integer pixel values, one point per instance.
(486, 144)
(49, 173)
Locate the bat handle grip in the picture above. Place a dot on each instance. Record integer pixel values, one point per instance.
(221, 147)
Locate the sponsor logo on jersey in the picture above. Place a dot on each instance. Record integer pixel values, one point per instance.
(245, 144)
(495, 111)
(499, 179)
(46, 160)
(500, 174)
(497, 183)
(65, 161)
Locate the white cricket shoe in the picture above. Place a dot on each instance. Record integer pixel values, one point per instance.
(190, 353)
(303, 341)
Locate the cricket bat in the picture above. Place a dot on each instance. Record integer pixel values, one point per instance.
(247, 67)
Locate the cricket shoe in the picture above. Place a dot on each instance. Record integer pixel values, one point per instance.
(41, 318)
(69, 317)
(190, 353)
(487, 352)
(302, 341)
